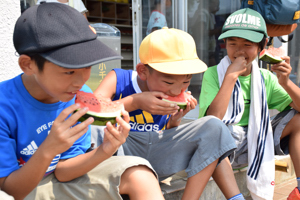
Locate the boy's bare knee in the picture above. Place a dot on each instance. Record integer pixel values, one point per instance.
(135, 176)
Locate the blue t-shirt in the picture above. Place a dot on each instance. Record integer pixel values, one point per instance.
(25, 123)
(140, 120)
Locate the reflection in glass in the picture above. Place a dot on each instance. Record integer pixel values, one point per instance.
(156, 14)
(205, 22)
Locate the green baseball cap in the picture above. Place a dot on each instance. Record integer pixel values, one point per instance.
(245, 23)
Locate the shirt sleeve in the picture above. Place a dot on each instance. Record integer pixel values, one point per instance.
(81, 8)
(278, 98)
(209, 89)
(9, 161)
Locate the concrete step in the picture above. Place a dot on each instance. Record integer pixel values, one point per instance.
(173, 187)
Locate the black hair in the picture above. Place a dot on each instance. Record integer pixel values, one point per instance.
(262, 43)
(39, 60)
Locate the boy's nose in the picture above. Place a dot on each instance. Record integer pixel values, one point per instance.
(175, 91)
(239, 53)
(81, 78)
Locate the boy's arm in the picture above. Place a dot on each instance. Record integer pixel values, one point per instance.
(220, 103)
(114, 137)
(283, 70)
(147, 101)
(61, 137)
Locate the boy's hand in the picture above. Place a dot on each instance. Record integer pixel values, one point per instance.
(62, 135)
(238, 66)
(176, 117)
(114, 136)
(152, 103)
(282, 70)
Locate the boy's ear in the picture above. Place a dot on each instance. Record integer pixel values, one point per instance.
(142, 71)
(25, 63)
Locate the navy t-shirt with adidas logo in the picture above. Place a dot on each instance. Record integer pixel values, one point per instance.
(140, 120)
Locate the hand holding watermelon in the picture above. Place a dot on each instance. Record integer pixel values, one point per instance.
(188, 102)
(62, 136)
(102, 109)
(114, 136)
(283, 70)
(152, 103)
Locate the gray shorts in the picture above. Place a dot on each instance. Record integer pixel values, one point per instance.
(239, 158)
(102, 182)
(191, 147)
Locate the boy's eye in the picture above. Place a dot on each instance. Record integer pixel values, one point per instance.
(169, 83)
(70, 72)
(186, 82)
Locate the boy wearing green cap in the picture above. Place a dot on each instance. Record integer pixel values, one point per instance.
(43, 147)
(240, 93)
(168, 60)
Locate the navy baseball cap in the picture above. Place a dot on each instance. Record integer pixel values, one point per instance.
(60, 34)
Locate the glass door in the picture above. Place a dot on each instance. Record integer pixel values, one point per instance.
(148, 16)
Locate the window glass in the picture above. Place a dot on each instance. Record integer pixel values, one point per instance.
(294, 53)
(155, 15)
(205, 21)
(26, 4)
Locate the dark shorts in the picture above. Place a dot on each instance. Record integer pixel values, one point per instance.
(239, 158)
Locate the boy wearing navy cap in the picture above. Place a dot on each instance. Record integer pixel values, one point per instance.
(42, 146)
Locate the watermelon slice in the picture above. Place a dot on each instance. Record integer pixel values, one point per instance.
(180, 100)
(100, 108)
(272, 55)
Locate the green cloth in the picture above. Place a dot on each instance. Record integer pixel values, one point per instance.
(277, 97)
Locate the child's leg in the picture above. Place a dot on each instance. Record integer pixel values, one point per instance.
(293, 130)
(196, 184)
(139, 182)
(224, 177)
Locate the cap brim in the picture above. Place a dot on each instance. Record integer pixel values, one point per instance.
(81, 55)
(252, 36)
(193, 66)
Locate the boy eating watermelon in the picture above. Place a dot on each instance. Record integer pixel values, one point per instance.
(240, 93)
(168, 60)
(43, 148)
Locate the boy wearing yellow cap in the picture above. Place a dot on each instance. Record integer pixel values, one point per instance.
(168, 60)
(240, 93)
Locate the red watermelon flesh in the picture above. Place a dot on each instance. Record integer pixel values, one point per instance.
(180, 100)
(97, 103)
(89, 100)
(102, 109)
(272, 55)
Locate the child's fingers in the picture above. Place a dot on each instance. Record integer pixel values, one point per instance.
(160, 95)
(73, 119)
(117, 136)
(125, 116)
(66, 112)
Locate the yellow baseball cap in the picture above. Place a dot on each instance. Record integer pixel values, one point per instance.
(171, 51)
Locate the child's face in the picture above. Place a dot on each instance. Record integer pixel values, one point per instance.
(237, 47)
(171, 85)
(59, 84)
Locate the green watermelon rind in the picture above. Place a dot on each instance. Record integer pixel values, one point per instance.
(182, 105)
(100, 119)
(268, 58)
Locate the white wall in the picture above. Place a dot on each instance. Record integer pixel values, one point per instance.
(9, 13)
